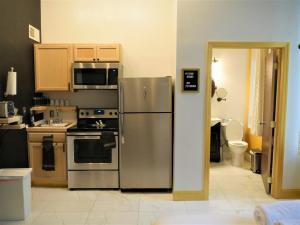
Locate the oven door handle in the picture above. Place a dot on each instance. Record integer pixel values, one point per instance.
(87, 137)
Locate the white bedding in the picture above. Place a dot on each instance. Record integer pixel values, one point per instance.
(288, 222)
(269, 214)
(203, 219)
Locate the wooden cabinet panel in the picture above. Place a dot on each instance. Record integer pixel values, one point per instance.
(53, 67)
(38, 137)
(108, 52)
(85, 53)
(99, 53)
(58, 177)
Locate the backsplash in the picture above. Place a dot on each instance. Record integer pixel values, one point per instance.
(84, 99)
(88, 98)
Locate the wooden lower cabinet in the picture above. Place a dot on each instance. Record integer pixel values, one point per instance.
(41, 177)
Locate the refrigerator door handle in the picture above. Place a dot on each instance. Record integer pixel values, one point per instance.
(121, 98)
(145, 91)
(122, 129)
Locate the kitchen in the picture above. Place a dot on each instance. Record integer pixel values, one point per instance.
(98, 145)
(56, 105)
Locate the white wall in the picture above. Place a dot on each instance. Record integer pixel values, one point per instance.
(227, 20)
(146, 30)
(231, 72)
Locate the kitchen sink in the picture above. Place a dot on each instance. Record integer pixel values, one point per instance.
(54, 125)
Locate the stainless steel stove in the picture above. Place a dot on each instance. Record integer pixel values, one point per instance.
(93, 155)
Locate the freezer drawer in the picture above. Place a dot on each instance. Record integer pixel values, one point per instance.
(146, 94)
(146, 151)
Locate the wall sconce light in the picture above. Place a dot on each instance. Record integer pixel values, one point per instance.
(216, 70)
(214, 60)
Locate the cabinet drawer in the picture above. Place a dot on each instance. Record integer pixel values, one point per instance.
(38, 137)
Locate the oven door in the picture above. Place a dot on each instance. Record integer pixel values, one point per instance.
(87, 153)
(89, 75)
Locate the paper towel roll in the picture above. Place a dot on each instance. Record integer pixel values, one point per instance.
(11, 85)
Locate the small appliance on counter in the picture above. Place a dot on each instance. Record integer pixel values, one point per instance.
(93, 155)
(7, 109)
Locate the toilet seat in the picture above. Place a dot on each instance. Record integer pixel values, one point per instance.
(241, 144)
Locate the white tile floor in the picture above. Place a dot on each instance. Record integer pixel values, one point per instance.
(234, 192)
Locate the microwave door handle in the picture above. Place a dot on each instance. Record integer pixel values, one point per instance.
(107, 76)
(145, 91)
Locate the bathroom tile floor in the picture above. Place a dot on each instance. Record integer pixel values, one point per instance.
(234, 192)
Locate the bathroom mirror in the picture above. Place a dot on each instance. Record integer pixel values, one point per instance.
(221, 94)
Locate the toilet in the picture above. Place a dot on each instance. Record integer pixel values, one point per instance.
(237, 147)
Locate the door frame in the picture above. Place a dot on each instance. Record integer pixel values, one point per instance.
(280, 111)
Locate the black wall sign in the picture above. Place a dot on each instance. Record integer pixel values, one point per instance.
(190, 80)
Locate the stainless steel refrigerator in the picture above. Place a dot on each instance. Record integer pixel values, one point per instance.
(145, 106)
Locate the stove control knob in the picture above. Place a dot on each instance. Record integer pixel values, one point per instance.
(110, 113)
(87, 113)
(82, 113)
(116, 113)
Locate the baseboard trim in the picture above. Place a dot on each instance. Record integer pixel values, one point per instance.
(288, 194)
(189, 196)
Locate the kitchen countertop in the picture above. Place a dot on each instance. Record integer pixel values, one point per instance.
(51, 129)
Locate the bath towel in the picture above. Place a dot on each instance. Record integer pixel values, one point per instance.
(48, 154)
(268, 214)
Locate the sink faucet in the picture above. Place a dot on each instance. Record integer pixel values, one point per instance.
(54, 117)
(100, 124)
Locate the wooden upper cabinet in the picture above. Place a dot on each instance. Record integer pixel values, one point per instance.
(85, 53)
(53, 67)
(108, 53)
(98, 53)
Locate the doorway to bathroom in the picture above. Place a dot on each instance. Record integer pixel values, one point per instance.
(246, 102)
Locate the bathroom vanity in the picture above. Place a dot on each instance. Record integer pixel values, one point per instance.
(215, 141)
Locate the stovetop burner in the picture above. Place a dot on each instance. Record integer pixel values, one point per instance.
(96, 119)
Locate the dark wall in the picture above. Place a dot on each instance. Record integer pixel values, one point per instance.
(16, 49)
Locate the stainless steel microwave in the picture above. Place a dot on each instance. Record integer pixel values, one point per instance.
(96, 75)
